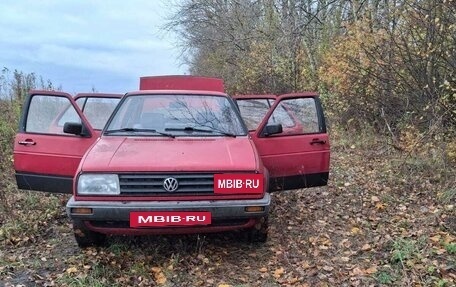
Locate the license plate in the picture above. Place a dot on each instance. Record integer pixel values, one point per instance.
(169, 218)
(226, 183)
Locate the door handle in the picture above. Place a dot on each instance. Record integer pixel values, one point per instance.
(317, 141)
(27, 142)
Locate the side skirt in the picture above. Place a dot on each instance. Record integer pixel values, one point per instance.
(298, 181)
(47, 183)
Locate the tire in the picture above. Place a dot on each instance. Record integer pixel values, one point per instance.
(259, 232)
(86, 237)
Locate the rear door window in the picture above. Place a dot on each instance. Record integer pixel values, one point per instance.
(97, 110)
(253, 111)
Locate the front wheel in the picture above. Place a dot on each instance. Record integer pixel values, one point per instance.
(86, 237)
(259, 232)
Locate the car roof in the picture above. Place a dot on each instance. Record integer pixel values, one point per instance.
(181, 82)
(98, 95)
(271, 96)
(305, 94)
(176, 92)
(254, 96)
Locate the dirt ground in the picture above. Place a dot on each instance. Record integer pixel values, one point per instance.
(382, 221)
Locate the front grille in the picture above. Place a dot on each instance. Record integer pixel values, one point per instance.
(149, 184)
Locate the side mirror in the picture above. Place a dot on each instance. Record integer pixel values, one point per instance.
(272, 129)
(73, 128)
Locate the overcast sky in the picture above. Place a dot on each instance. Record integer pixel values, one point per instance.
(82, 44)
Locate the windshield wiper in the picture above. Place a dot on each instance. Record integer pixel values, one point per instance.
(138, 131)
(193, 129)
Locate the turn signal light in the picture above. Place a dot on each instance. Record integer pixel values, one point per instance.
(254, 209)
(81, 210)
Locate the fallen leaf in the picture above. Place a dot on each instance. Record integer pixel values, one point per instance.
(328, 268)
(306, 265)
(375, 198)
(160, 278)
(12, 258)
(435, 238)
(263, 269)
(366, 247)
(448, 239)
(343, 242)
(440, 251)
(371, 270)
(356, 271)
(72, 270)
(278, 272)
(293, 280)
(355, 230)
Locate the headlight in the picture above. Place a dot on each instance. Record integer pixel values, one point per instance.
(98, 184)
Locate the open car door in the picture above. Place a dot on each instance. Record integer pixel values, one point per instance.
(53, 136)
(293, 143)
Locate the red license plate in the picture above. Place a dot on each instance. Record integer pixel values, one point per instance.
(238, 183)
(169, 218)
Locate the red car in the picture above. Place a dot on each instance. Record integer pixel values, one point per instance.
(174, 157)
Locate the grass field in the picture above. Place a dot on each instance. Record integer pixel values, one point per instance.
(386, 219)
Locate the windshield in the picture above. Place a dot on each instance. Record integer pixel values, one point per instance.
(176, 115)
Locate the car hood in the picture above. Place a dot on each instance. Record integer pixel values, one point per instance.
(146, 154)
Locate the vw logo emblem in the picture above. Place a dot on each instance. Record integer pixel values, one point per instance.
(170, 184)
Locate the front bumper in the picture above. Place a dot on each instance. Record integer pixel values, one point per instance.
(120, 210)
